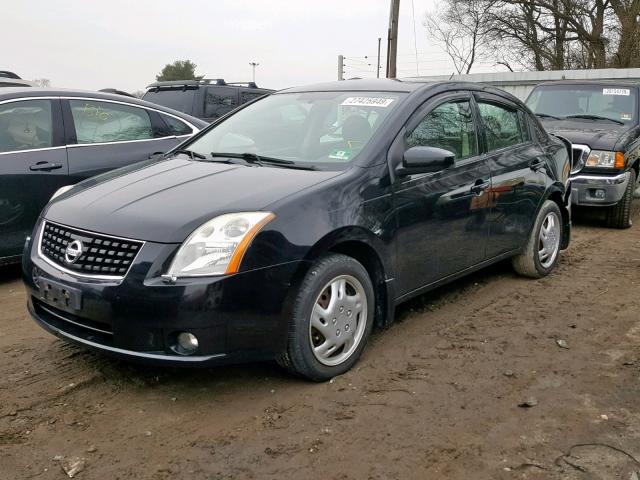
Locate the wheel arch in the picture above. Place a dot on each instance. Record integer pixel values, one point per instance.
(561, 196)
(369, 250)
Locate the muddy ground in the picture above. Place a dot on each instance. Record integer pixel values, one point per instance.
(435, 396)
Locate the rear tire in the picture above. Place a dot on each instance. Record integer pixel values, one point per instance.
(542, 251)
(619, 215)
(332, 318)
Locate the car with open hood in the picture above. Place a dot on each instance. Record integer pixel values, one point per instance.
(290, 228)
(600, 119)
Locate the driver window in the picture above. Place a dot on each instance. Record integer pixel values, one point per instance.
(25, 125)
(449, 126)
(501, 125)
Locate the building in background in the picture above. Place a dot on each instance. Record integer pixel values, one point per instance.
(520, 84)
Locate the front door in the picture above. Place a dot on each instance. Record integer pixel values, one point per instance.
(442, 227)
(33, 165)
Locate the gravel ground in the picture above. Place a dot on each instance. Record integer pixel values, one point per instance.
(435, 396)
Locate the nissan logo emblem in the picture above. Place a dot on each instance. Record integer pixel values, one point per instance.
(74, 251)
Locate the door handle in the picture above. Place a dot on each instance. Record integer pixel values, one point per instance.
(479, 187)
(537, 164)
(46, 166)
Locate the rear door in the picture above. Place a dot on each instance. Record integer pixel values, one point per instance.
(33, 165)
(517, 169)
(103, 135)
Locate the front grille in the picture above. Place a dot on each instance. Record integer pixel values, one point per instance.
(579, 155)
(100, 255)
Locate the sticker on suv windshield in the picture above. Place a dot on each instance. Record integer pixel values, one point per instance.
(625, 92)
(367, 102)
(625, 116)
(338, 154)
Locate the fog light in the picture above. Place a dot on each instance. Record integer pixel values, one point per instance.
(185, 344)
(599, 193)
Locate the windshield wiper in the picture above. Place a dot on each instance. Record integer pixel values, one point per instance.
(595, 117)
(256, 159)
(191, 153)
(546, 115)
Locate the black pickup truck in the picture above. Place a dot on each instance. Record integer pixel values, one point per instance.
(600, 119)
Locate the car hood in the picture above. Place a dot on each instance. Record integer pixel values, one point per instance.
(166, 200)
(597, 135)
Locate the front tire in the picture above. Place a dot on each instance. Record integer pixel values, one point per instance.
(619, 215)
(542, 251)
(332, 318)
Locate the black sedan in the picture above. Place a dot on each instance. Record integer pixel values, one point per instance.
(292, 227)
(50, 138)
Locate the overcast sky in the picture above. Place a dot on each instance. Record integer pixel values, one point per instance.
(94, 44)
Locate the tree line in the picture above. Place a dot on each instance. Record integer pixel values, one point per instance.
(538, 34)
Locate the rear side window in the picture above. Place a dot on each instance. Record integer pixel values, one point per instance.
(502, 125)
(177, 127)
(219, 101)
(449, 126)
(247, 96)
(177, 99)
(104, 122)
(25, 125)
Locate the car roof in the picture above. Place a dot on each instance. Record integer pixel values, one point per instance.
(398, 85)
(9, 93)
(625, 82)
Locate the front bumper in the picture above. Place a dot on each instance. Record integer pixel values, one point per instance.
(598, 190)
(237, 318)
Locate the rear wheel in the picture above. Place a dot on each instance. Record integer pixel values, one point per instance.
(331, 320)
(619, 216)
(542, 251)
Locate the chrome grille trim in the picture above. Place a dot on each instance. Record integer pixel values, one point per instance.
(82, 274)
(583, 152)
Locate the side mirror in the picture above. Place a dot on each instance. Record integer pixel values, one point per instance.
(425, 160)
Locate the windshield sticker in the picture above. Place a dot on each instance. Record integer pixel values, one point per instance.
(625, 116)
(338, 154)
(367, 102)
(625, 92)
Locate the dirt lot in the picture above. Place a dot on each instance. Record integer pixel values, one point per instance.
(436, 396)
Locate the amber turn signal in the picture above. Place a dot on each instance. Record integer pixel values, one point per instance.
(619, 160)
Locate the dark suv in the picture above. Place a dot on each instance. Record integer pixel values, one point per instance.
(600, 119)
(204, 99)
(10, 79)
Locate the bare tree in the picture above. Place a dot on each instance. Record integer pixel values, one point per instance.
(460, 28)
(42, 82)
(539, 34)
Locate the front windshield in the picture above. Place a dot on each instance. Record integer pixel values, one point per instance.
(616, 103)
(325, 130)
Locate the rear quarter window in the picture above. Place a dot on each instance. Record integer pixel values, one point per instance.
(177, 99)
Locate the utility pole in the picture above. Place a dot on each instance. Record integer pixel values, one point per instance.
(392, 39)
(378, 69)
(340, 67)
(253, 66)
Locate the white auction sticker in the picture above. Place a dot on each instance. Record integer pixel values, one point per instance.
(367, 102)
(616, 91)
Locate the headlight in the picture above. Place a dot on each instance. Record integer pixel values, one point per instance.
(60, 191)
(217, 247)
(599, 158)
